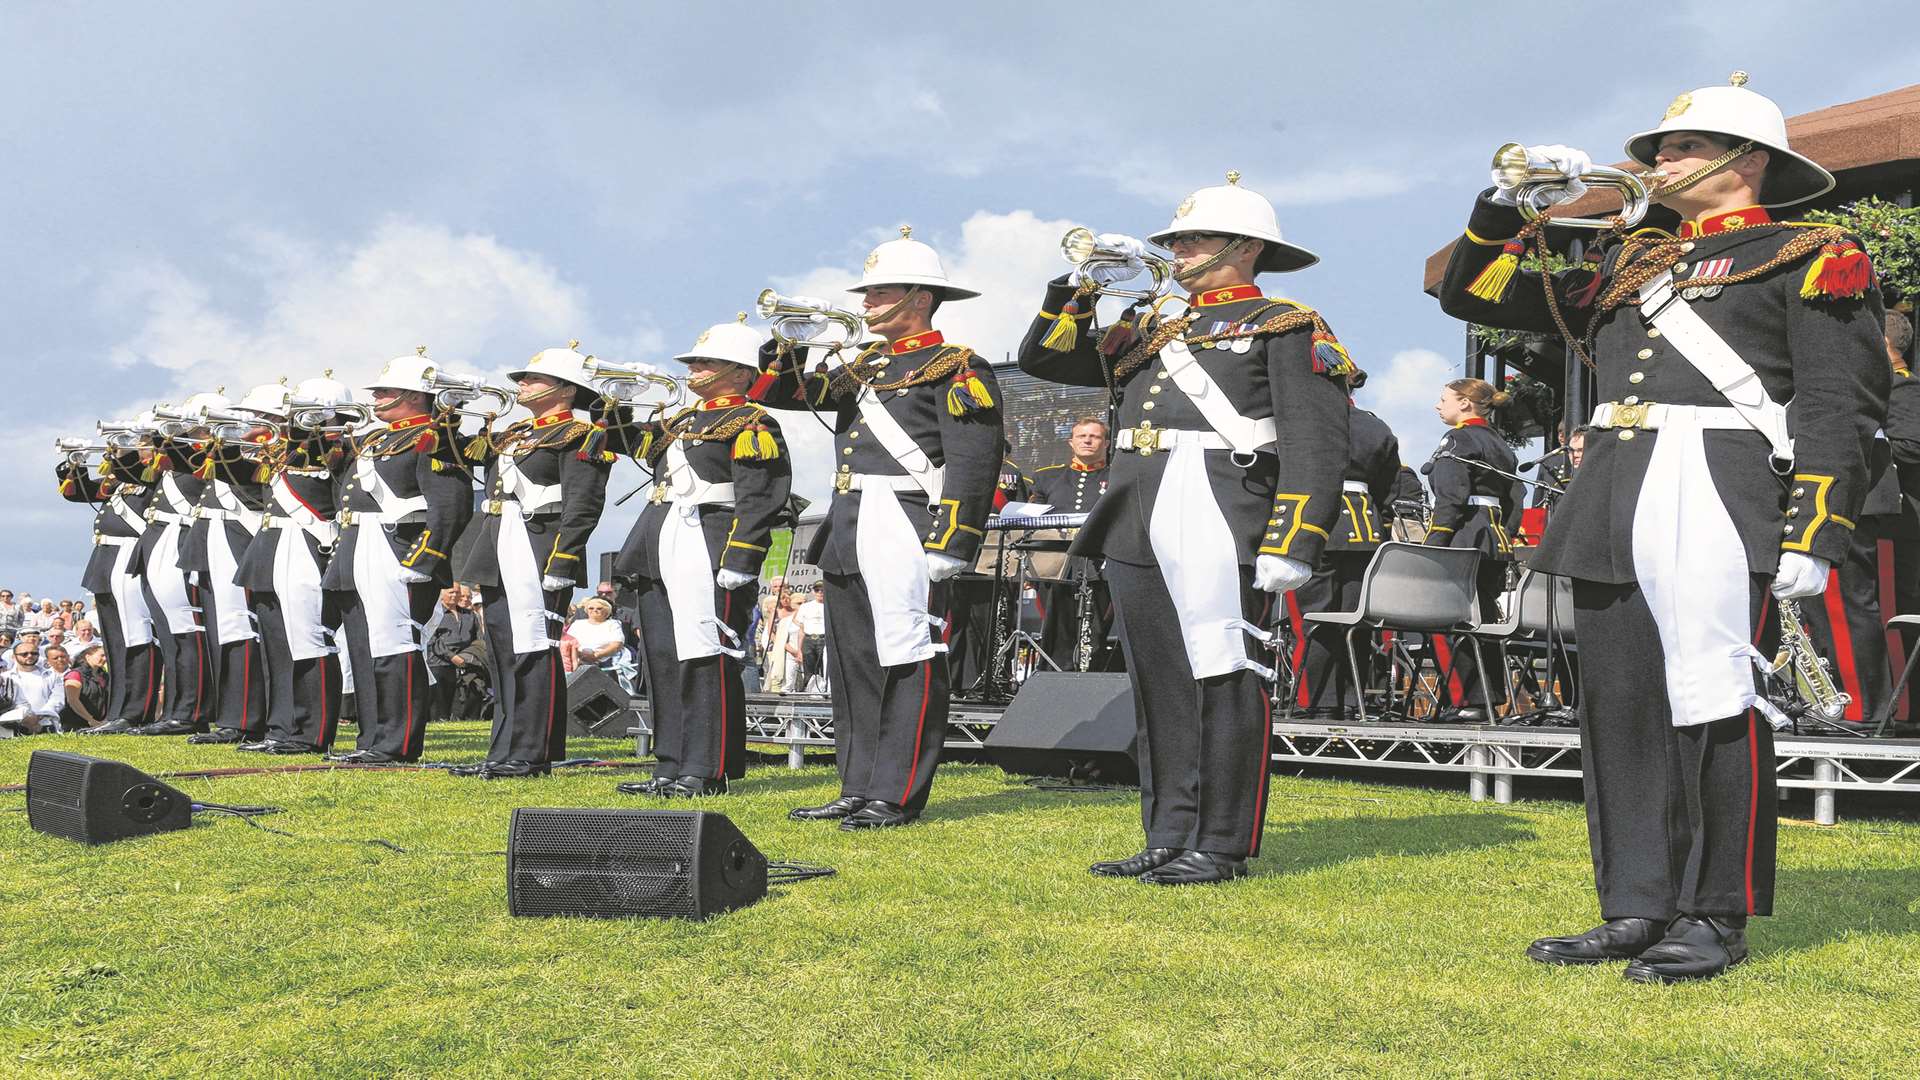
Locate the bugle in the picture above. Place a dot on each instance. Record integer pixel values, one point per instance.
(1530, 183)
(77, 449)
(238, 427)
(456, 393)
(320, 416)
(121, 435)
(1082, 248)
(780, 310)
(636, 385)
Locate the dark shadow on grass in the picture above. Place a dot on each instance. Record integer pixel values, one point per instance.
(1302, 847)
(1818, 907)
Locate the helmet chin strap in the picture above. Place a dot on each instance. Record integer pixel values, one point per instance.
(1676, 186)
(547, 393)
(1227, 249)
(887, 315)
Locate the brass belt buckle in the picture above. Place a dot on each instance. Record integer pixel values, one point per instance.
(1146, 439)
(1629, 416)
(658, 494)
(843, 481)
(495, 506)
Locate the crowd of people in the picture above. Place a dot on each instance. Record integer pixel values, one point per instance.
(52, 666)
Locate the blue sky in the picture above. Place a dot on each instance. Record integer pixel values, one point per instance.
(223, 193)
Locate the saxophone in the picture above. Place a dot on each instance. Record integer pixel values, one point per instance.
(1813, 685)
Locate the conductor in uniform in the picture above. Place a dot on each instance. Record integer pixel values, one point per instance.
(546, 486)
(721, 480)
(1701, 498)
(409, 496)
(1232, 442)
(1075, 487)
(917, 448)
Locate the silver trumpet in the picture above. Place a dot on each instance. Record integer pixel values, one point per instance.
(780, 310)
(238, 427)
(458, 393)
(121, 435)
(1812, 680)
(636, 385)
(173, 423)
(1528, 183)
(77, 450)
(319, 416)
(1083, 250)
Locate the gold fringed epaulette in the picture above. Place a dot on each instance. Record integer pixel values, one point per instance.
(1066, 326)
(755, 443)
(1329, 356)
(1841, 271)
(479, 447)
(968, 394)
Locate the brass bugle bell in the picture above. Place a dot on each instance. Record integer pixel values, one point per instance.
(1529, 183)
(1082, 248)
(780, 310)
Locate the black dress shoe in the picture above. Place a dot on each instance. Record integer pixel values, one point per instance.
(474, 769)
(258, 746)
(366, 757)
(509, 770)
(651, 786)
(114, 727)
(1196, 868)
(1133, 866)
(833, 811)
(1696, 947)
(693, 787)
(877, 815)
(166, 727)
(216, 737)
(1615, 939)
(285, 748)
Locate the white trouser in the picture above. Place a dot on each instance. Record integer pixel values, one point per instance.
(1692, 568)
(1199, 561)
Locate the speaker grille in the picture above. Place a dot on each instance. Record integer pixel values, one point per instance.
(56, 789)
(584, 862)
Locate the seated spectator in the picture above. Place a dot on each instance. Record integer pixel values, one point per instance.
(458, 628)
(85, 687)
(10, 612)
(36, 694)
(812, 616)
(601, 640)
(40, 618)
(83, 633)
(55, 636)
(783, 663)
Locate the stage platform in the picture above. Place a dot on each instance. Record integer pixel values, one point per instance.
(1489, 757)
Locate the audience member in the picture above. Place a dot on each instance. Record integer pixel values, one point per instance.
(86, 688)
(812, 617)
(35, 695)
(40, 618)
(454, 697)
(83, 633)
(10, 612)
(784, 662)
(601, 640)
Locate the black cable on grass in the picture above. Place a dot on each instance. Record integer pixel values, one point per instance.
(249, 813)
(786, 873)
(1048, 783)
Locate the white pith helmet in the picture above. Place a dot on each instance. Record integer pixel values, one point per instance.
(414, 372)
(1737, 113)
(269, 399)
(729, 342)
(323, 391)
(569, 365)
(199, 404)
(907, 261)
(1236, 211)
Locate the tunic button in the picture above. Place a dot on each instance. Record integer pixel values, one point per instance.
(1148, 405)
(1273, 536)
(853, 434)
(1161, 375)
(1646, 354)
(1799, 491)
(848, 450)
(1653, 332)
(1679, 267)
(1631, 401)
(1793, 511)
(1686, 247)
(1273, 521)
(1788, 531)
(1155, 389)
(1627, 435)
(1637, 377)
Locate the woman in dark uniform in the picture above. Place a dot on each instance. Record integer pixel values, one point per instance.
(1472, 507)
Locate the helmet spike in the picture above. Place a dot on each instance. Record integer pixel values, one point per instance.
(906, 232)
(1233, 176)
(1738, 78)
(573, 343)
(419, 350)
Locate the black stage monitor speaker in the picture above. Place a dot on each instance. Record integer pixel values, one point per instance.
(674, 864)
(94, 800)
(596, 705)
(1072, 724)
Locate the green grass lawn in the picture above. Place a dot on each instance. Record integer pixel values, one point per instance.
(1381, 934)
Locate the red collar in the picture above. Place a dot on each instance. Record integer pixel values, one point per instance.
(410, 422)
(916, 341)
(1077, 467)
(1732, 219)
(1228, 295)
(1472, 421)
(724, 401)
(551, 419)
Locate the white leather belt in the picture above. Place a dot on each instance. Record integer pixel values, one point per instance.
(105, 540)
(349, 518)
(1358, 487)
(251, 520)
(513, 506)
(853, 481)
(168, 517)
(1146, 439)
(1650, 416)
(700, 494)
(1483, 500)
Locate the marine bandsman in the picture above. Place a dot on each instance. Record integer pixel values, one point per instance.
(119, 496)
(1232, 443)
(1701, 500)
(174, 595)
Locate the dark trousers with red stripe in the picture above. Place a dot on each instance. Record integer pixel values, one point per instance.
(134, 674)
(303, 696)
(1454, 655)
(699, 706)
(1847, 628)
(389, 692)
(239, 687)
(1204, 744)
(185, 661)
(889, 723)
(1326, 679)
(530, 689)
(1681, 820)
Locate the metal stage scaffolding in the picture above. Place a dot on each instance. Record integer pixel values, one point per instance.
(1491, 758)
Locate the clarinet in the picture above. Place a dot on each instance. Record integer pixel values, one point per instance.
(1083, 610)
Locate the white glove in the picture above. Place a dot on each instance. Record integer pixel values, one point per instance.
(556, 584)
(1134, 249)
(1562, 159)
(941, 567)
(731, 579)
(1112, 272)
(413, 577)
(1279, 574)
(1800, 576)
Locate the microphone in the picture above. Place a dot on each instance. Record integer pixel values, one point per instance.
(1541, 460)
